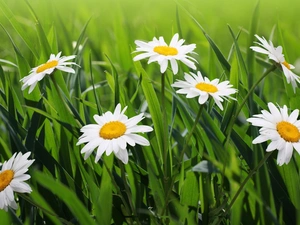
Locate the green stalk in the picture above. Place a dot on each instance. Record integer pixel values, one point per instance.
(128, 192)
(232, 121)
(182, 155)
(191, 133)
(165, 132)
(126, 206)
(252, 172)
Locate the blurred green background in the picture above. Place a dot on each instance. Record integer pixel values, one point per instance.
(146, 19)
(114, 25)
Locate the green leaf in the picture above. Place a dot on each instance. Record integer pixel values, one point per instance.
(224, 63)
(18, 27)
(66, 195)
(5, 217)
(291, 179)
(105, 194)
(190, 190)
(154, 108)
(44, 44)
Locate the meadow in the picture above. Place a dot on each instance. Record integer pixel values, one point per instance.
(207, 154)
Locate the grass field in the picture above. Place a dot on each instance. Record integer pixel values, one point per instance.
(191, 163)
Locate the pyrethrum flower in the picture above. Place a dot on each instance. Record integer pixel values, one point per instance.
(39, 72)
(275, 54)
(195, 85)
(12, 177)
(281, 129)
(158, 51)
(112, 133)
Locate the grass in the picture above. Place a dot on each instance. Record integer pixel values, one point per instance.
(194, 168)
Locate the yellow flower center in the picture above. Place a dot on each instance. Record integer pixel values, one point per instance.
(287, 65)
(165, 50)
(206, 87)
(5, 178)
(288, 131)
(113, 129)
(47, 65)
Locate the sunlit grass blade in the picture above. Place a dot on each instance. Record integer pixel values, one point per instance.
(44, 44)
(18, 27)
(93, 85)
(224, 63)
(250, 55)
(116, 84)
(105, 193)
(154, 108)
(5, 217)
(232, 105)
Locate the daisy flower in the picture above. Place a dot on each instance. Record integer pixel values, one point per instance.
(275, 54)
(195, 85)
(39, 72)
(12, 177)
(281, 129)
(112, 133)
(158, 51)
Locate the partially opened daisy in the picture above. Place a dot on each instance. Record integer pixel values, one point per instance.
(197, 85)
(39, 72)
(158, 51)
(282, 129)
(275, 54)
(112, 133)
(12, 177)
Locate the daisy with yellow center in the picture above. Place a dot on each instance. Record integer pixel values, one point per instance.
(275, 54)
(39, 72)
(112, 133)
(197, 85)
(12, 177)
(281, 129)
(158, 51)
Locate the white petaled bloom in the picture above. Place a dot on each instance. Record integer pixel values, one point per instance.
(39, 72)
(112, 133)
(275, 54)
(197, 85)
(282, 129)
(12, 177)
(158, 51)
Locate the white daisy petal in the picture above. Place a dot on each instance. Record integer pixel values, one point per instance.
(158, 51)
(282, 129)
(163, 66)
(196, 85)
(12, 177)
(39, 72)
(174, 66)
(112, 133)
(122, 155)
(275, 54)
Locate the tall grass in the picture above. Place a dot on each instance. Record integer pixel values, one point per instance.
(160, 184)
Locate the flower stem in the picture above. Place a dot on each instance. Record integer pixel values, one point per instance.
(252, 172)
(128, 192)
(181, 157)
(234, 117)
(126, 206)
(191, 132)
(165, 132)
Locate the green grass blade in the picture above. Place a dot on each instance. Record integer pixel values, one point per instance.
(154, 108)
(44, 44)
(18, 27)
(78, 210)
